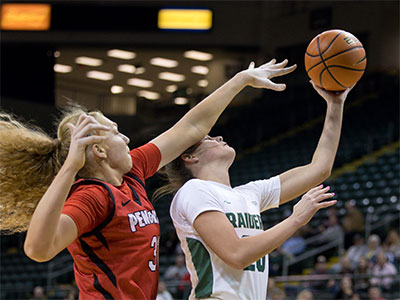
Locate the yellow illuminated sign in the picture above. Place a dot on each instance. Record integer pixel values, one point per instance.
(22, 16)
(185, 19)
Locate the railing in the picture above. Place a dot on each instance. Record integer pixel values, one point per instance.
(291, 260)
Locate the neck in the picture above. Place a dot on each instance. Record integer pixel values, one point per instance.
(220, 176)
(110, 176)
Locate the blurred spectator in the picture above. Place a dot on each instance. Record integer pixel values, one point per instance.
(275, 294)
(163, 293)
(184, 287)
(355, 296)
(383, 268)
(373, 247)
(346, 266)
(346, 289)
(333, 231)
(305, 295)
(353, 223)
(357, 250)
(392, 244)
(361, 282)
(295, 244)
(374, 293)
(320, 268)
(176, 272)
(38, 293)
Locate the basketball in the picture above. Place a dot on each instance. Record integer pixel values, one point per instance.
(335, 60)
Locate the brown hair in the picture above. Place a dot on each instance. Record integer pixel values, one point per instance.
(29, 161)
(176, 174)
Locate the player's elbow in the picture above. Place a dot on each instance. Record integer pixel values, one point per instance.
(36, 254)
(237, 261)
(321, 172)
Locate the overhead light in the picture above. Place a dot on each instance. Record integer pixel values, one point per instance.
(140, 70)
(181, 100)
(171, 76)
(57, 54)
(163, 62)
(202, 83)
(198, 55)
(99, 75)
(148, 95)
(131, 69)
(117, 89)
(171, 88)
(59, 68)
(203, 70)
(140, 82)
(88, 61)
(122, 54)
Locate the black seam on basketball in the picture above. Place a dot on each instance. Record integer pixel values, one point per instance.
(334, 55)
(330, 44)
(361, 60)
(326, 68)
(343, 67)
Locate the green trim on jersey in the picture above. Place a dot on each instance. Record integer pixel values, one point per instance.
(202, 264)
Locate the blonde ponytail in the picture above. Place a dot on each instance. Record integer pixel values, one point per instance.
(29, 161)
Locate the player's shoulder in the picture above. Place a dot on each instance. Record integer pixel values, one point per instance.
(196, 183)
(87, 188)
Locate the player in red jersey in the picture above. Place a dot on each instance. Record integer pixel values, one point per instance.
(104, 218)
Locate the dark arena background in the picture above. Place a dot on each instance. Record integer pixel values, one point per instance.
(74, 54)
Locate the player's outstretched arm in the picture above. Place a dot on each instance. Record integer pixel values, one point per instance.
(196, 124)
(298, 180)
(240, 252)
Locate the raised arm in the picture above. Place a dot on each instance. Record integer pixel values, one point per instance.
(298, 180)
(49, 231)
(240, 252)
(195, 124)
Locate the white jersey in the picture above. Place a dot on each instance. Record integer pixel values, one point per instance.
(212, 278)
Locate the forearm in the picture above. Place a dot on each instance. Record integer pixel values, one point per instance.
(41, 234)
(324, 155)
(252, 248)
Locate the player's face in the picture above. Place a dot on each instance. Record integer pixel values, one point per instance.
(116, 147)
(212, 148)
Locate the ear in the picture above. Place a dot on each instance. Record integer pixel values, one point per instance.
(98, 151)
(189, 158)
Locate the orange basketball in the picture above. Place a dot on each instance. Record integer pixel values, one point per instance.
(335, 60)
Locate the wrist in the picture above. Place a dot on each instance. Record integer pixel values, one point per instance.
(242, 79)
(295, 221)
(68, 169)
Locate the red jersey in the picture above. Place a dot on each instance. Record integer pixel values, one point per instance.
(116, 252)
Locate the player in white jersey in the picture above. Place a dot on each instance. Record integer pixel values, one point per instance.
(220, 227)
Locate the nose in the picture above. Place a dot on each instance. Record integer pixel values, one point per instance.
(126, 139)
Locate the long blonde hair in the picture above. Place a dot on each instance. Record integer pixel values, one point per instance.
(29, 161)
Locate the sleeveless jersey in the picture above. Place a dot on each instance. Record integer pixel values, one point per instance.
(212, 278)
(118, 259)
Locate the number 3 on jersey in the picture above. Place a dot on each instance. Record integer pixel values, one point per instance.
(153, 263)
